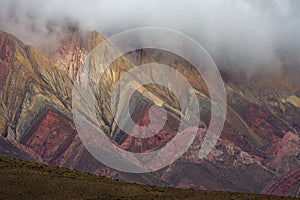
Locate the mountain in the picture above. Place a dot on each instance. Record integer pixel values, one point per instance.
(258, 150)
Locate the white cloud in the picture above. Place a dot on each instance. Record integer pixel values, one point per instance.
(246, 35)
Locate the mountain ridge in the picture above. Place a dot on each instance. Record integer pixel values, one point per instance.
(36, 112)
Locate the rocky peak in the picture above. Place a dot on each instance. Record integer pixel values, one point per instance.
(36, 111)
(71, 51)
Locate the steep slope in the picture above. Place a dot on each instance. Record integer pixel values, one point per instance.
(36, 111)
(239, 133)
(36, 100)
(11, 148)
(264, 130)
(31, 86)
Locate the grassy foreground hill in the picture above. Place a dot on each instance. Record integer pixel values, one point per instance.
(28, 180)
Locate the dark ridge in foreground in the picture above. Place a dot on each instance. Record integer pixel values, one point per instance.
(28, 180)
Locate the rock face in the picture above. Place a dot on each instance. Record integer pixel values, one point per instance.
(262, 128)
(51, 137)
(259, 148)
(14, 149)
(285, 184)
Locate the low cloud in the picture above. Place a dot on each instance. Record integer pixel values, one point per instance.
(244, 36)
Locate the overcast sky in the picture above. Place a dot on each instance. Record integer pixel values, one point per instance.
(248, 35)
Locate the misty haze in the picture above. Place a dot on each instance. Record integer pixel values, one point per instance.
(169, 99)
